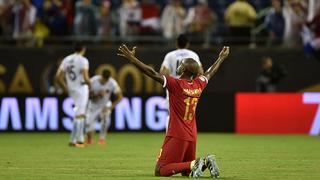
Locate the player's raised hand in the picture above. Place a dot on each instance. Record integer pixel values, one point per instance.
(126, 52)
(224, 52)
(133, 51)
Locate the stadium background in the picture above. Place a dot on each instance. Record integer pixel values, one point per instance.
(30, 100)
(28, 73)
(254, 135)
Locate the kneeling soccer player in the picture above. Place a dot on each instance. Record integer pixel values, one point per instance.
(100, 105)
(177, 154)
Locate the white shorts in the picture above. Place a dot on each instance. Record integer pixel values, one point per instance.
(94, 112)
(80, 97)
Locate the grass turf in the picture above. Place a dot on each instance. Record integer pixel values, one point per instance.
(133, 155)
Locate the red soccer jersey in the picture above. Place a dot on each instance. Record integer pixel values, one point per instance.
(183, 98)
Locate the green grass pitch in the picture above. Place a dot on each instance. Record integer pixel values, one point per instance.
(133, 156)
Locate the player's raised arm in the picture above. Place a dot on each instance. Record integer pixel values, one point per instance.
(215, 66)
(149, 71)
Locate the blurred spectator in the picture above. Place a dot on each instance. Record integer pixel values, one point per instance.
(172, 19)
(295, 15)
(313, 8)
(24, 19)
(200, 20)
(69, 12)
(38, 4)
(150, 23)
(86, 18)
(240, 16)
(4, 16)
(130, 18)
(54, 18)
(105, 19)
(270, 76)
(274, 22)
(311, 36)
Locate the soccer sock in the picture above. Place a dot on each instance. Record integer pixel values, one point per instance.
(174, 168)
(73, 137)
(90, 137)
(81, 130)
(105, 120)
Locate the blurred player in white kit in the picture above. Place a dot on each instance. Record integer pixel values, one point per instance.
(73, 76)
(173, 59)
(100, 105)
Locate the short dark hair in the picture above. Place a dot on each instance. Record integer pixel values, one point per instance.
(182, 41)
(191, 67)
(78, 46)
(106, 74)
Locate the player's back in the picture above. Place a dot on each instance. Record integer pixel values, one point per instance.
(184, 96)
(73, 65)
(174, 58)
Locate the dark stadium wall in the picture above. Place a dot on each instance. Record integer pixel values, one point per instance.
(31, 71)
(28, 97)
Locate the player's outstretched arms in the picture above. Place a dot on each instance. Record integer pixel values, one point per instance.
(149, 71)
(215, 66)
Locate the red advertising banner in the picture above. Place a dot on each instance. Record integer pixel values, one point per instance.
(278, 113)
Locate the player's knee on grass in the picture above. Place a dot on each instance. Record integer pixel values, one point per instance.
(157, 171)
(185, 173)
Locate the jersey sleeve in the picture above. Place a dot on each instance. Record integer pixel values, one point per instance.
(85, 64)
(115, 86)
(165, 62)
(62, 66)
(94, 78)
(197, 59)
(203, 81)
(170, 83)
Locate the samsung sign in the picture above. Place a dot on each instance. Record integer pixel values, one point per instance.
(55, 114)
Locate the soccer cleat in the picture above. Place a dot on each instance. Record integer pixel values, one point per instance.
(102, 142)
(77, 145)
(196, 169)
(210, 162)
(89, 141)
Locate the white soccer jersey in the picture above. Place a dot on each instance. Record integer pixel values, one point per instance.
(111, 86)
(173, 59)
(73, 65)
